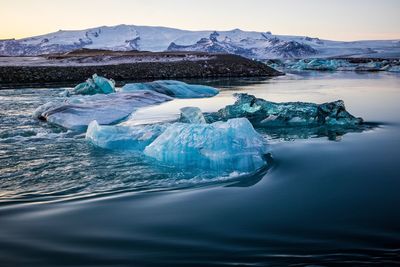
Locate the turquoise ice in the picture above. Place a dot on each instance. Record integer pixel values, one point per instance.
(221, 146)
(123, 137)
(290, 114)
(173, 88)
(95, 85)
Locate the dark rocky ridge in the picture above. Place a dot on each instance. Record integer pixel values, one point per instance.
(206, 65)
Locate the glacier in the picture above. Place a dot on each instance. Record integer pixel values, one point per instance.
(228, 146)
(76, 112)
(290, 114)
(173, 88)
(95, 85)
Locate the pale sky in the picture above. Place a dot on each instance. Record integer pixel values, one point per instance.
(328, 19)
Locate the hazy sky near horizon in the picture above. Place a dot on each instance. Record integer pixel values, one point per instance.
(336, 19)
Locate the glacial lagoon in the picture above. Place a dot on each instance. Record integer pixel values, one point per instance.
(325, 197)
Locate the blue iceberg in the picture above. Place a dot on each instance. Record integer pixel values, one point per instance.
(320, 65)
(92, 86)
(123, 137)
(290, 114)
(221, 146)
(77, 112)
(173, 88)
(344, 64)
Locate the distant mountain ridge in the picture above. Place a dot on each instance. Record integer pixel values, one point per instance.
(250, 44)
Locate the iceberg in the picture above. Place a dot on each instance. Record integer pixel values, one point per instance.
(394, 69)
(92, 86)
(221, 146)
(345, 64)
(320, 65)
(123, 137)
(77, 112)
(192, 115)
(290, 114)
(172, 88)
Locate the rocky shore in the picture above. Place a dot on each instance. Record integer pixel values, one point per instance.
(70, 68)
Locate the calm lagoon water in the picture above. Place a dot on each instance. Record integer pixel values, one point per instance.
(323, 201)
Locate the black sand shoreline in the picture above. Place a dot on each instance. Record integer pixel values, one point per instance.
(213, 66)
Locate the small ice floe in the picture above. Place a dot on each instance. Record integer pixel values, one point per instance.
(95, 85)
(173, 88)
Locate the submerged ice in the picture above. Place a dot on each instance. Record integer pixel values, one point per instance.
(271, 114)
(173, 88)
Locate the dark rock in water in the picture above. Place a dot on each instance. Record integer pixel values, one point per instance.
(290, 114)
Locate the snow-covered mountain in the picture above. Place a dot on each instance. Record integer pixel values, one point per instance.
(258, 45)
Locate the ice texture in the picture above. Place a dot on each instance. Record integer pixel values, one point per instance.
(221, 146)
(123, 137)
(77, 111)
(92, 86)
(266, 113)
(173, 88)
(394, 69)
(192, 115)
(324, 64)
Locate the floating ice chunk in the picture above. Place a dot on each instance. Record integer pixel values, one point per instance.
(123, 137)
(371, 66)
(321, 64)
(192, 115)
(221, 146)
(394, 69)
(265, 113)
(92, 86)
(173, 88)
(77, 112)
(325, 64)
